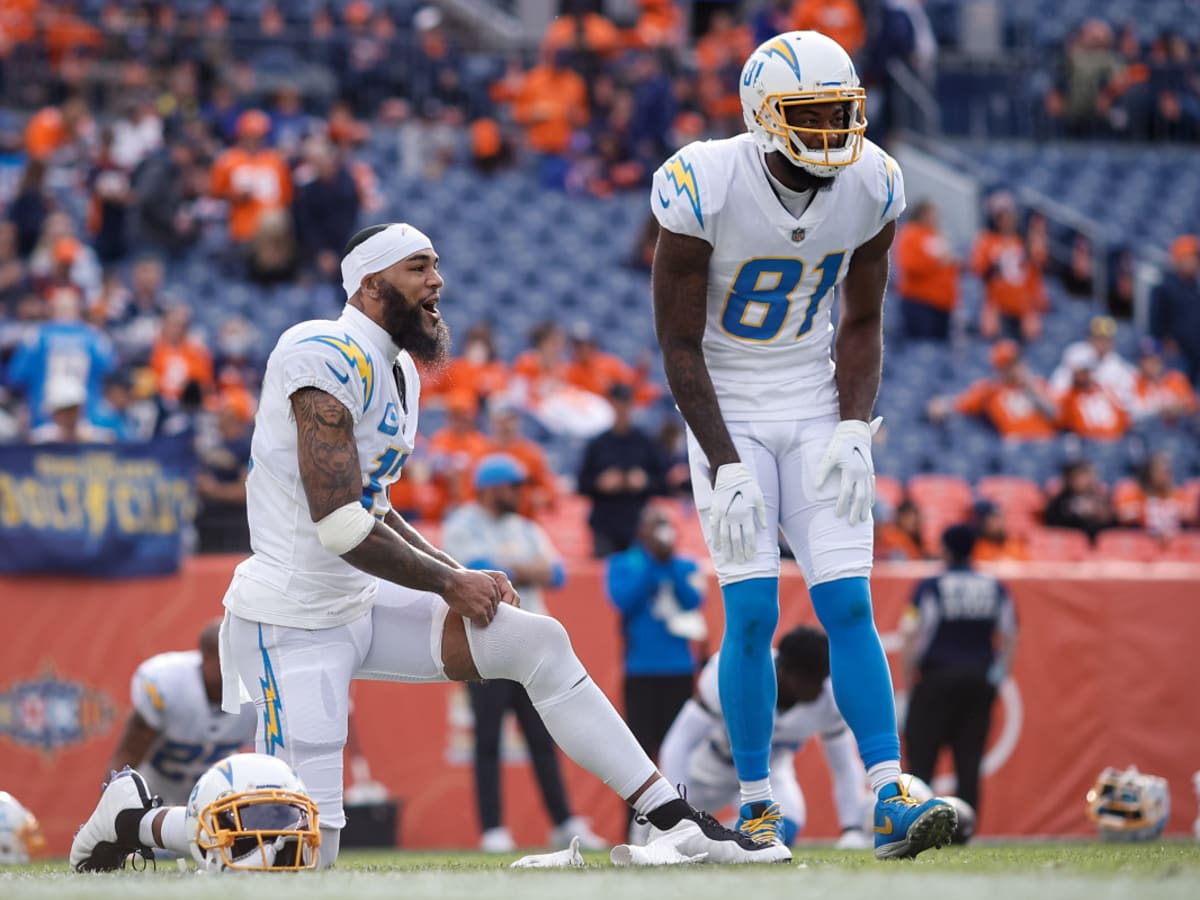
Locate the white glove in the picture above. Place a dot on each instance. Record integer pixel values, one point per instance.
(570, 858)
(853, 839)
(738, 511)
(850, 450)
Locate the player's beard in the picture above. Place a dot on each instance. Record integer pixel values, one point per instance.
(405, 324)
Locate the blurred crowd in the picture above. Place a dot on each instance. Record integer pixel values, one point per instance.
(137, 135)
(1110, 83)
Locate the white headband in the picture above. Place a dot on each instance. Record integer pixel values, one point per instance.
(378, 252)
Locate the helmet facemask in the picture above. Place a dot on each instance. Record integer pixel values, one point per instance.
(840, 147)
(262, 830)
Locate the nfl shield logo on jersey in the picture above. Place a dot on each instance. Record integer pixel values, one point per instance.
(797, 235)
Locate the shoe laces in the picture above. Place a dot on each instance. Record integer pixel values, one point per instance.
(764, 828)
(903, 798)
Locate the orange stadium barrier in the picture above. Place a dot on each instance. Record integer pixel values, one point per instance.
(1105, 675)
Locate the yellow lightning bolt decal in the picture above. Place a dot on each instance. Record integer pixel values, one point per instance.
(781, 48)
(154, 695)
(272, 706)
(356, 357)
(681, 174)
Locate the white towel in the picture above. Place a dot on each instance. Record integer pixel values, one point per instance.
(233, 692)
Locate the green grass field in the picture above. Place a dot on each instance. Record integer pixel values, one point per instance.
(981, 872)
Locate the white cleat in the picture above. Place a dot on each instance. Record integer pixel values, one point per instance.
(110, 834)
(698, 837)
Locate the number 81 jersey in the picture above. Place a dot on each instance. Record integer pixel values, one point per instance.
(771, 276)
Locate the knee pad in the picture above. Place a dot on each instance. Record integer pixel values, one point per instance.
(532, 650)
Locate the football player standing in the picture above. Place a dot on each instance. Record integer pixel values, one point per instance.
(757, 231)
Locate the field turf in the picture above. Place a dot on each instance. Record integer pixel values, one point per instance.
(980, 872)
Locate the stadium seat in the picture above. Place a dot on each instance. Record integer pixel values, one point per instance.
(1127, 544)
(1013, 494)
(1184, 547)
(943, 495)
(1058, 545)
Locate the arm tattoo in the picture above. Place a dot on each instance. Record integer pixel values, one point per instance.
(679, 282)
(327, 451)
(332, 477)
(860, 327)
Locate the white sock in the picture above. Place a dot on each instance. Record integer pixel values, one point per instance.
(331, 842)
(174, 830)
(882, 774)
(536, 652)
(660, 793)
(756, 791)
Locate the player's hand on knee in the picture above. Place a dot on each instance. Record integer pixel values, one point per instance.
(738, 512)
(473, 595)
(850, 452)
(508, 593)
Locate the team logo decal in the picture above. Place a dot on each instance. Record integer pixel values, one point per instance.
(49, 712)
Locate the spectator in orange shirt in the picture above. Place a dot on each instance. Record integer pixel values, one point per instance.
(1154, 502)
(579, 29)
(52, 128)
(1010, 267)
(901, 539)
(65, 32)
(659, 25)
(1016, 402)
(477, 370)
(1159, 392)
(926, 275)
(720, 54)
(592, 369)
(550, 105)
(178, 359)
(1091, 410)
(993, 542)
(543, 367)
(540, 488)
(841, 20)
(254, 179)
(453, 451)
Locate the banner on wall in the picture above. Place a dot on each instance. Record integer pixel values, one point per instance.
(99, 511)
(1119, 638)
(96, 510)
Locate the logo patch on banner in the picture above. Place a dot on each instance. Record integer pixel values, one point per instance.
(50, 713)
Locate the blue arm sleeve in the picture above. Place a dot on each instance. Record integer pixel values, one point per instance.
(688, 586)
(626, 578)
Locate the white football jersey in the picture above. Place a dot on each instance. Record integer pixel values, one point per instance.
(193, 734)
(792, 726)
(771, 277)
(291, 579)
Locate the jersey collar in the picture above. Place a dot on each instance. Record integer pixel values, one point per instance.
(379, 339)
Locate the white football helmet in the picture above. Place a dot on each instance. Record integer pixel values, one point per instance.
(1129, 806)
(804, 68)
(251, 812)
(20, 836)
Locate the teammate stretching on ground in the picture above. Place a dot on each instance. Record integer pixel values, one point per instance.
(341, 587)
(757, 230)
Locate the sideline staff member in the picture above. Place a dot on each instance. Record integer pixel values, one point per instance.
(960, 634)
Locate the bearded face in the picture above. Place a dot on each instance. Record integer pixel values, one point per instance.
(415, 325)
